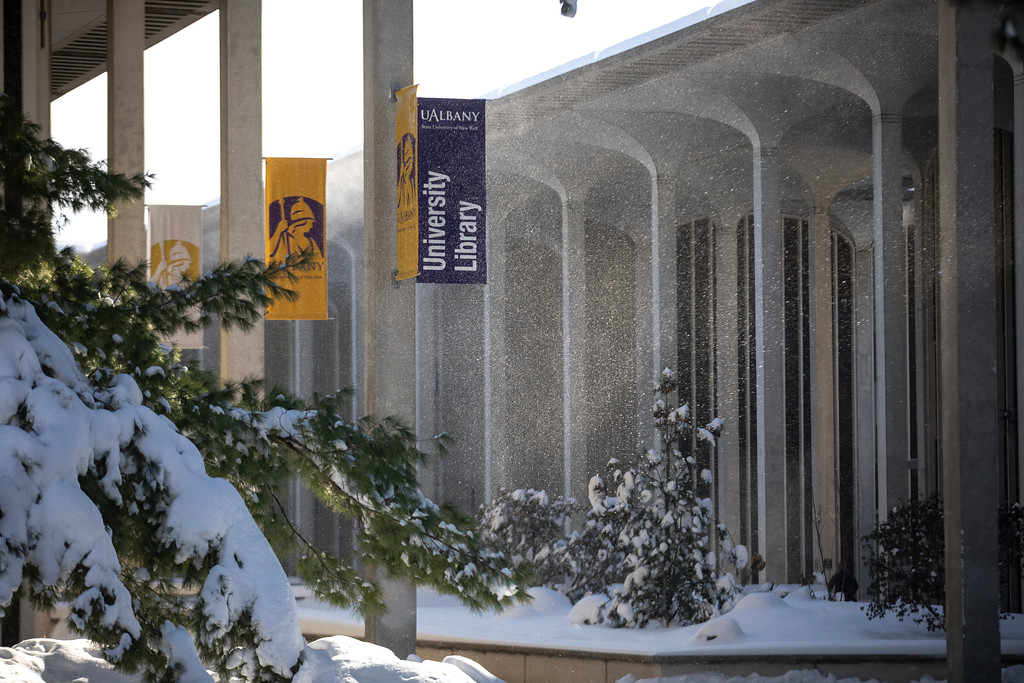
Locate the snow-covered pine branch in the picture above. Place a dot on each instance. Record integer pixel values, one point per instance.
(85, 470)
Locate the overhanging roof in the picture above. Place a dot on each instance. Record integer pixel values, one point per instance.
(79, 35)
(731, 31)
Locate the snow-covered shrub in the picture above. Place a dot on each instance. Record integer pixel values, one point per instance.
(594, 556)
(672, 551)
(528, 526)
(906, 563)
(907, 559)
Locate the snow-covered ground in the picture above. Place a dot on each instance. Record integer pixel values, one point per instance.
(785, 621)
(335, 660)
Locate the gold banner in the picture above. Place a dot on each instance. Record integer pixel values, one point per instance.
(175, 233)
(408, 197)
(296, 223)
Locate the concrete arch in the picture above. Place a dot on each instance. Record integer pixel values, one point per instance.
(686, 96)
(810, 61)
(645, 236)
(523, 186)
(595, 132)
(523, 165)
(534, 297)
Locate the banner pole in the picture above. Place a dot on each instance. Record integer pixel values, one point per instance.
(389, 307)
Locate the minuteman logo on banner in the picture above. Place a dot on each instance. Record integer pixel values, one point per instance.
(453, 191)
(175, 234)
(408, 199)
(295, 197)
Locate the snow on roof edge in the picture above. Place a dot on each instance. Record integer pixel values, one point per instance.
(683, 22)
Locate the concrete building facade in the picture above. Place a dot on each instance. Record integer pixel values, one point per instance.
(753, 200)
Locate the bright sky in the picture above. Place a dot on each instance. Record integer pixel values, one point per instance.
(312, 83)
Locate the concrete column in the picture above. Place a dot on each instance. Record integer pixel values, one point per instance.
(35, 78)
(823, 386)
(390, 306)
(647, 324)
(891, 418)
(496, 443)
(919, 422)
(241, 166)
(769, 309)
(865, 391)
(126, 25)
(729, 487)
(967, 341)
(427, 320)
(574, 351)
(667, 312)
(32, 623)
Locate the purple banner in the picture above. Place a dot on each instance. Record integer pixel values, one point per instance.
(453, 191)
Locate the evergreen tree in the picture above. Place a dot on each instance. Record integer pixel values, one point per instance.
(528, 527)
(254, 437)
(595, 558)
(907, 560)
(666, 533)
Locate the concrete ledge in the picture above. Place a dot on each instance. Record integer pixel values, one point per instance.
(524, 664)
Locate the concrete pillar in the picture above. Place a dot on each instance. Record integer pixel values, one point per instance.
(495, 361)
(126, 25)
(574, 351)
(729, 487)
(427, 320)
(665, 252)
(33, 623)
(647, 323)
(823, 385)
(35, 79)
(241, 166)
(891, 418)
(390, 306)
(967, 341)
(769, 305)
(496, 443)
(922, 309)
(865, 391)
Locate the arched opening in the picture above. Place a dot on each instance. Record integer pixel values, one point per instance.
(533, 337)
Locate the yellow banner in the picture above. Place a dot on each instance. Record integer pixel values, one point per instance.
(296, 222)
(408, 173)
(175, 233)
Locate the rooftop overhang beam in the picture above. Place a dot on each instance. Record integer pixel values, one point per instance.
(79, 51)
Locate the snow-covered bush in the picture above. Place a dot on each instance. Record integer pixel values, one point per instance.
(672, 551)
(595, 559)
(907, 559)
(528, 526)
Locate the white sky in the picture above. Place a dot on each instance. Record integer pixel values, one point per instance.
(312, 83)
